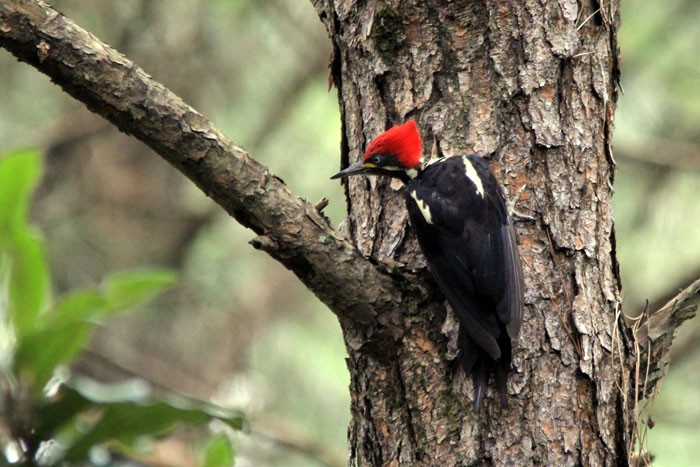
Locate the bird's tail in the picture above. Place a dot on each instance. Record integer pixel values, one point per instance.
(480, 365)
(502, 366)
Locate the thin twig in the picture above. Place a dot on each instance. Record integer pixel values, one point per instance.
(589, 17)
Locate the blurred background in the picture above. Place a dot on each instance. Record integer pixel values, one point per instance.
(241, 329)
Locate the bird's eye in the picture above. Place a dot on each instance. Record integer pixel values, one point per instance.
(376, 160)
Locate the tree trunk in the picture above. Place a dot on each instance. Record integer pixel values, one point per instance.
(531, 86)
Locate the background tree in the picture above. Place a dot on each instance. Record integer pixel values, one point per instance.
(489, 79)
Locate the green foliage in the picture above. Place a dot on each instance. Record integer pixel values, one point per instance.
(61, 333)
(218, 452)
(123, 419)
(41, 336)
(26, 273)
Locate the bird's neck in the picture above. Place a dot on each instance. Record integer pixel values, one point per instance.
(409, 174)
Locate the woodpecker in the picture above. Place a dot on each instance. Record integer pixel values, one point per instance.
(464, 229)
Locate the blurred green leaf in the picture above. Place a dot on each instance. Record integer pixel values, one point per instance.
(59, 410)
(126, 421)
(19, 172)
(29, 280)
(39, 353)
(118, 293)
(22, 248)
(131, 288)
(219, 452)
(80, 305)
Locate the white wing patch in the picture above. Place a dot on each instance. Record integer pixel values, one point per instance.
(422, 207)
(473, 176)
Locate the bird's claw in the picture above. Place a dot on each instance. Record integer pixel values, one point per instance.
(511, 202)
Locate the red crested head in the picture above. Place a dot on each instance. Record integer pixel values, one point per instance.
(395, 153)
(402, 141)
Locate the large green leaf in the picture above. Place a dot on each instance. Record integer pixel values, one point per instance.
(22, 248)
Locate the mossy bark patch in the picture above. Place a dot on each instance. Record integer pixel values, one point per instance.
(388, 34)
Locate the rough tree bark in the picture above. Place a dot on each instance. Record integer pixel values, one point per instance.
(531, 85)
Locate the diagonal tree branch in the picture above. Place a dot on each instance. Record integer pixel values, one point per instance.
(289, 229)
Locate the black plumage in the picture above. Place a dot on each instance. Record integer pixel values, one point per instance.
(463, 228)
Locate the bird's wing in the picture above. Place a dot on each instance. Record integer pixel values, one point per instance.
(470, 247)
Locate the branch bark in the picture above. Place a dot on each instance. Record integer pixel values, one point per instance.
(289, 229)
(657, 330)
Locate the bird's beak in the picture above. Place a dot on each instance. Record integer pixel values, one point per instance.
(356, 169)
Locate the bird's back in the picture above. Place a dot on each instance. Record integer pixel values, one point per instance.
(462, 224)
